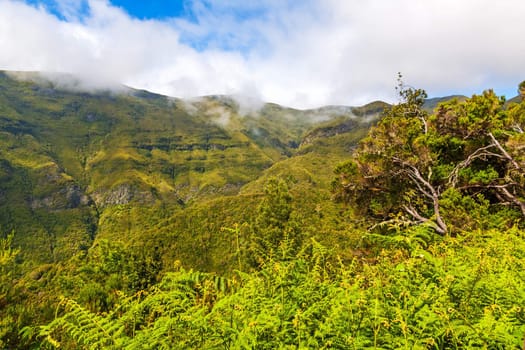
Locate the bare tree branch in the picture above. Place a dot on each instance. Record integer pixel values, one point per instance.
(412, 211)
(427, 189)
(419, 185)
(504, 152)
(479, 153)
(506, 193)
(506, 185)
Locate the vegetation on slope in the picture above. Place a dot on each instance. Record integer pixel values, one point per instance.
(75, 166)
(462, 168)
(423, 250)
(452, 293)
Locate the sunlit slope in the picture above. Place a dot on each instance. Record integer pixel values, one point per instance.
(69, 159)
(200, 234)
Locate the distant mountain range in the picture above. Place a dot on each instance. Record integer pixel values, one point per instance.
(140, 167)
(70, 160)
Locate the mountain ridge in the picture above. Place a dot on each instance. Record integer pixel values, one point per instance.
(74, 165)
(70, 160)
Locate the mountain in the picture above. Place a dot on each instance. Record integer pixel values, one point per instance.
(156, 171)
(131, 165)
(431, 103)
(515, 99)
(128, 217)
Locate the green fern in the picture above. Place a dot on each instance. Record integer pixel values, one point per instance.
(85, 328)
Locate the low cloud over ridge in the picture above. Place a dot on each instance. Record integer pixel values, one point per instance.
(315, 53)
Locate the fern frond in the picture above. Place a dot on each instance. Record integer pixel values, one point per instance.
(83, 327)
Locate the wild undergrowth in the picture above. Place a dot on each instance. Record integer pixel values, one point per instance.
(447, 293)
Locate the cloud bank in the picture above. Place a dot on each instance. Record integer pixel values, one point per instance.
(297, 53)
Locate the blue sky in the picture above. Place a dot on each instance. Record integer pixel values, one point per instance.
(154, 9)
(300, 53)
(151, 9)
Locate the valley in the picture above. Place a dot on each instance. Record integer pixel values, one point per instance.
(134, 220)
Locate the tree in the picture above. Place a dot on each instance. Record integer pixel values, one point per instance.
(521, 89)
(489, 160)
(417, 168)
(8, 322)
(275, 228)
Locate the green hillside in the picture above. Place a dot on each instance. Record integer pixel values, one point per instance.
(74, 163)
(154, 174)
(131, 220)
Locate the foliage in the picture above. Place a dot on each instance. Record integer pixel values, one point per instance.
(147, 171)
(110, 193)
(121, 166)
(276, 223)
(463, 292)
(7, 292)
(466, 158)
(108, 269)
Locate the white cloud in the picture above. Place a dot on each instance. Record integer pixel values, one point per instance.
(301, 54)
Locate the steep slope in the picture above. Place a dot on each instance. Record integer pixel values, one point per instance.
(77, 165)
